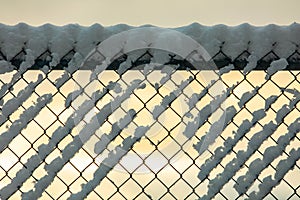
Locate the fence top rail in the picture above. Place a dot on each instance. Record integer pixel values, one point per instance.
(225, 44)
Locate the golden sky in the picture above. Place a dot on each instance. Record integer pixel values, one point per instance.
(166, 13)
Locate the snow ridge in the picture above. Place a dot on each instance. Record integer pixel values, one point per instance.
(167, 100)
(256, 140)
(195, 98)
(108, 164)
(228, 145)
(215, 130)
(276, 66)
(226, 69)
(45, 149)
(252, 63)
(70, 150)
(283, 167)
(22, 122)
(13, 104)
(72, 96)
(247, 96)
(60, 40)
(205, 113)
(258, 165)
(115, 131)
(216, 184)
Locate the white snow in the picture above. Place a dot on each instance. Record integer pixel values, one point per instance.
(61, 80)
(285, 165)
(148, 68)
(55, 59)
(108, 163)
(226, 69)
(5, 67)
(294, 101)
(282, 168)
(61, 43)
(116, 87)
(258, 115)
(28, 62)
(252, 62)
(99, 69)
(246, 97)
(256, 139)
(53, 167)
(78, 141)
(12, 132)
(62, 39)
(156, 86)
(75, 63)
(127, 118)
(124, 66)
(142, 86)
(22, 122)
(129, 90)
(195, 98)
(116, 129)
(167, 100)
(45, 69)
(73, 95)
(61, 132)
(281, 113)
(216, 184)
(167, 70)
(294, 91)
(276, 66)
(215, 130)
(270, 100)
(203, 115)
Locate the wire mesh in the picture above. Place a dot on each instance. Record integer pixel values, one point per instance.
(176, 176)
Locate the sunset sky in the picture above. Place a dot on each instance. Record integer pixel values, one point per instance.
(167, 13)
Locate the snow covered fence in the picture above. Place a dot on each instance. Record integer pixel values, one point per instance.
(149, 113)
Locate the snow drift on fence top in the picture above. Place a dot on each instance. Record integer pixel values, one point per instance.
(284, 40)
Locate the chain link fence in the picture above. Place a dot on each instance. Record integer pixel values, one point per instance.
(249, 159)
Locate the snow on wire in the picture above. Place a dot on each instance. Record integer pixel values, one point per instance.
(67, 51)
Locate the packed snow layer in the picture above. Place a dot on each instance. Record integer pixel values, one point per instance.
(108, 164)
(216, 184)
(283, 167)
(276, 66)
(22, 122)
(272, 152)
(192, 126)
(45, 149)
(78, 141)
(252, 62)
(228, 145)
(234, 40)
(13, 104)
(215, 130)
(115, 131)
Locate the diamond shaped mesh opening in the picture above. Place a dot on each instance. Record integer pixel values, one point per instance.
(255, 154)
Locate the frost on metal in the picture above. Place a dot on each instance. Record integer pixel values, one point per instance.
(226, 97)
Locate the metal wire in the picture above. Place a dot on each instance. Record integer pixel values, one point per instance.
(39, 131)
